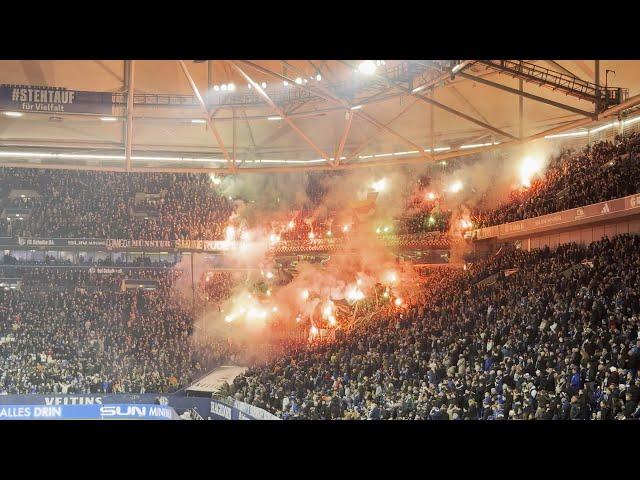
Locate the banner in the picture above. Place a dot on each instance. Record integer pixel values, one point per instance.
(59, 242)
(123, 243)
(576, 216)
(232, 409)
(28, 98)
(121, 411)
(177, 402)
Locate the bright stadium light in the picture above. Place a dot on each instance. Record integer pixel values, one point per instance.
(299, 81)
(263, 85)
(104, 119)
(368, 67)
(14, 114)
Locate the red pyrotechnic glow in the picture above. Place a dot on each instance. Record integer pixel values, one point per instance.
(398, 302)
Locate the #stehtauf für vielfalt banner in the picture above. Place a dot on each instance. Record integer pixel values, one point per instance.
(27, 98)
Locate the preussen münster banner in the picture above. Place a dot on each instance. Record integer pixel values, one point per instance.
(28, 98)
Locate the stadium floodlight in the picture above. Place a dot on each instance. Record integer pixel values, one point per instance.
(14, 114)
(571, 134)
(367, 67)
(108, 119)
(477, 145)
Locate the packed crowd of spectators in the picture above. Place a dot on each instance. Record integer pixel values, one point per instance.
(102, 205)
(556, 339)
(604, 171)
(70, 331)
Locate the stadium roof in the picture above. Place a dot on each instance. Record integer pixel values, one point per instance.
(298, 114)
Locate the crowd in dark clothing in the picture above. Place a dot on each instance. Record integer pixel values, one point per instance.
(556, 339)
(70, 331)
(102, 205)
(604, 171)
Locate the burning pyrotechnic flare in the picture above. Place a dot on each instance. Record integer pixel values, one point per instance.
(464, 223)
(345, 228)
(230, 233)
(314, 330)
(312, 235)
(332, 320)
(398, 302)
(269, 275)
(529, 168)
(328, 310)
(379, 185)
(455, 187)
(305, 294)
(290, 225)
(273, 238)
(391, 277)
(431, 196)
(354, 294)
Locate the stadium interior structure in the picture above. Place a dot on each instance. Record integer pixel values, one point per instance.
(320, 239)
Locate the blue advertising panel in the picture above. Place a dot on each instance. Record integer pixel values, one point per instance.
(88, 412)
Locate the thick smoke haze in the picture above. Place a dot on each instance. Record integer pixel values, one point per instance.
(263, 200)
